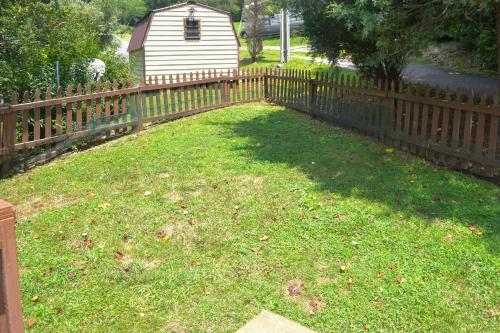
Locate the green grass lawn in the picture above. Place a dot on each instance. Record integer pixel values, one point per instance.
(199, 224)
(271, 58)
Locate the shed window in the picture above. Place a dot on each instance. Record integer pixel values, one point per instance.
(191, 29)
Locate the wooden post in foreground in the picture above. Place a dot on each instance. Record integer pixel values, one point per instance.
(11, 318)
(7, 136)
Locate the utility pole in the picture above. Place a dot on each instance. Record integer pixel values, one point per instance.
(58, 78)
(284, 36)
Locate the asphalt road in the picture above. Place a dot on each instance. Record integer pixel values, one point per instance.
(428, 74)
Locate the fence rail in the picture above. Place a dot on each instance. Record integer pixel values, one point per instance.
(450, 128)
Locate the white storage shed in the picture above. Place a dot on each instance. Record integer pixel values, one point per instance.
(184, 38)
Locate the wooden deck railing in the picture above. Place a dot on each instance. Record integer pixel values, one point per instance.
(452, 129)
(11, 319)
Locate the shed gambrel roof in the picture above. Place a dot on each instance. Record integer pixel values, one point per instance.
(141, 29)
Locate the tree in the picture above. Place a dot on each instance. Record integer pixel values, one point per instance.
(375, 34)
(253, 14)
(380, 35)
(476, 24)
(34, 35)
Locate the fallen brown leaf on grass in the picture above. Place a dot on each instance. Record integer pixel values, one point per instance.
(71, 275)
(400, 279)
(166, 231)
(343, 268)
(448, 238)
(256, 250)
(38, 203)
(493, 313)
(88, 242)
(31, 322)
(35, 298)
(314, 305)
(105, 205)
(119, 255)
(264, 238)
(391, 266)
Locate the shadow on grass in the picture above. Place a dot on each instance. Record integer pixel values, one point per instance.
(352, 166)
(260, 60)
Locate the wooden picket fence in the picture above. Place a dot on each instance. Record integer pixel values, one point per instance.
(35, 126)
(450, 128)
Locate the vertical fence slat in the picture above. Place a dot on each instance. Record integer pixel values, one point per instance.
(468, 125)
(446, 121)
(185, 93)
(172, 94)
(179, 94)
(204, 88)
(158, 98)
(107, 103)
(98, 101)
(88, 106)
(165, 95)
(480, 129)
(25, 118)
(116, 101)
(36, 121)
(191, 92)
(59, 112)
(455, 131)
(425, 117)
(435, 117)
(48, 115)
(79, 109)
(69, 110)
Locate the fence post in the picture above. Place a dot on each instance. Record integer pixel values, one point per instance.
(11, 318)
(389, 105)
(312, 92)
(139, 107)
(226, 90)
(266, 84)
(7, 137)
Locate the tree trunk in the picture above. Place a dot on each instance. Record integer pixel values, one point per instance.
(498, 40)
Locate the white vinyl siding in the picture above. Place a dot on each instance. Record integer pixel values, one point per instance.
(167, 52)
